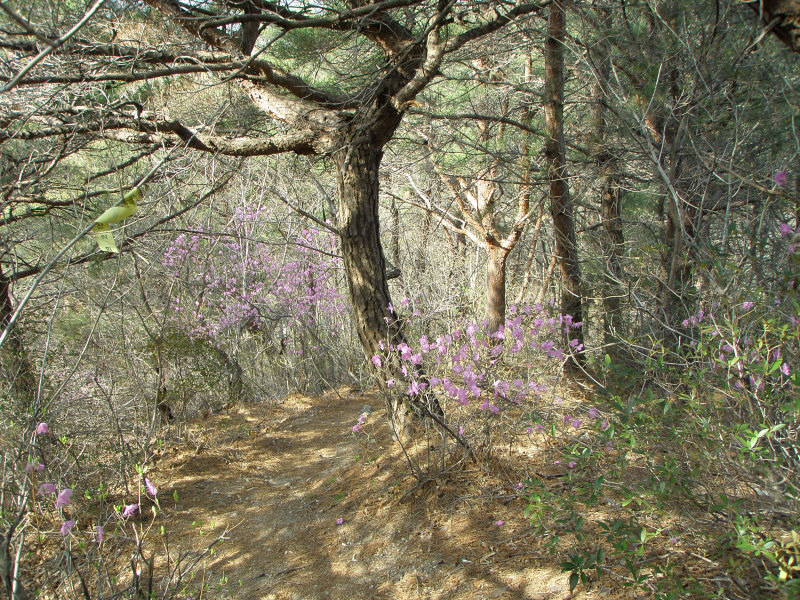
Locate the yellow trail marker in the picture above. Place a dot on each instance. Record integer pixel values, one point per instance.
(102, 231)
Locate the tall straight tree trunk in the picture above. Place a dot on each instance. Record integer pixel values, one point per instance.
(560, 201)
(357, 168)
(610, 207)
(496, 287)
(610, 192)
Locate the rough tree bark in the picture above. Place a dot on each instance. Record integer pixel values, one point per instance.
(496, 287)
(781, 18)
(357, 169)
(560, 202)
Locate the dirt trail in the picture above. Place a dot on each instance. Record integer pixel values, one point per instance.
(279, 477)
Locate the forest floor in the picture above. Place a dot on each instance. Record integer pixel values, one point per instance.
(308, 510)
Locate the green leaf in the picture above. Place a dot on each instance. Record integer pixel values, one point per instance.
(573, 582)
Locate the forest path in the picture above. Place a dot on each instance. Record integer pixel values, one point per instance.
(274, 479)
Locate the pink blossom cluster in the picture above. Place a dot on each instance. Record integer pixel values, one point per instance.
(234, 280)
(466, 363)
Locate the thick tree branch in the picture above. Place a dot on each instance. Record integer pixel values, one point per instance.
(260, 71)
(44, 53)
(172, 133)
(302, 142)
(181, 15)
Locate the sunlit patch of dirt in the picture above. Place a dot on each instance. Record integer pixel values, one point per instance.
(308, 509)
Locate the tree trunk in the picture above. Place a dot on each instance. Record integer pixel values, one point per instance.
(610, 193)
(610, 206)
(782, 18)
(15, 369)
(395, 234)
(364, 262)
(560, 202)
(496, 287)
(357, 168)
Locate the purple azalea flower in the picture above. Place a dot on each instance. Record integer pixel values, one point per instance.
(42, 429)
(64, 498)
(66, 526)
(100, 533)
(130, 510)
(781, 177)
(48, 488)
(339, 521)
(151, 489)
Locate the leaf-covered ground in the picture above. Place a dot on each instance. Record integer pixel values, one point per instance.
(310, 510)
(295, 505)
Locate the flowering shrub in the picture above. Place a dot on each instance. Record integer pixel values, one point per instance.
(237, 281)
(75, 520)
(481, 374)
(246, 292)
